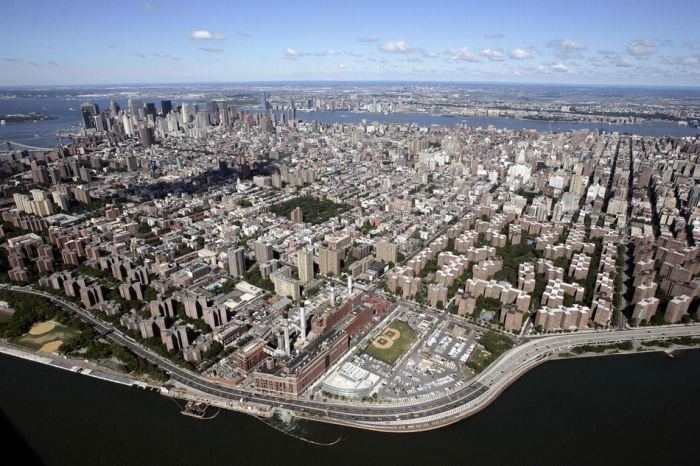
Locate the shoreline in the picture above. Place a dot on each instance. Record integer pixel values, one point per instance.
(452, 416)
(76, 366)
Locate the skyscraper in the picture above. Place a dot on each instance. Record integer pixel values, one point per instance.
(213, 109)
(146, 136)
(114, 108)
(166, 107)
(265, 103)
(134, 105)
(151, 110)
(89, 111)
(224, 118)
(236, 262)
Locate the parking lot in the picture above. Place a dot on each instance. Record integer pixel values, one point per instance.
(435, 362)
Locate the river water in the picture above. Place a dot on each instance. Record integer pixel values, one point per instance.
(631, 410)
(66, 110)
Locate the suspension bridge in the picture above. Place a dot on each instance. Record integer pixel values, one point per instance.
(12, 145)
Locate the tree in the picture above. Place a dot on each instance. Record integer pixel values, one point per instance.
(213, 350)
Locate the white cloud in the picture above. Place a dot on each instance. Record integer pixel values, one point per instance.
(328, 53)
(566, 49)
(463, 54)
(396, 46)
(560, 68)
(167, 56)
(211, 49)
(293, 53)
(368, 39)
(614, 59)
(493, 55)
(520, 54)
(641, 49)
(341, 66)
(202, 34)
(571, 45)
(683, 60)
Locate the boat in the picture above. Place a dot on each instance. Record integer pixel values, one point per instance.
(195, 409)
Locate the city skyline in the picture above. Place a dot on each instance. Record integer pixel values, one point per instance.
(157, 42)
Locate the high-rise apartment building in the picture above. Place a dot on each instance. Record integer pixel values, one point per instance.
(236, 262)
(305, 263)
(329, 261)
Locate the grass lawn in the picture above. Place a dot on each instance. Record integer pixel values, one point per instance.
(392, 343)
(479, 360)
(35, 342)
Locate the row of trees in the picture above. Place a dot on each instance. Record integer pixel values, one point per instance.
(30, 309)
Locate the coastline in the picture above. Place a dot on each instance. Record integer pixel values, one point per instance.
(76, 366)
(266, 410)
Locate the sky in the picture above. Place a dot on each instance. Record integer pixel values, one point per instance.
(620, 42)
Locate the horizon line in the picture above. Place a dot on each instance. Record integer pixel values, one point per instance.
(377, 81)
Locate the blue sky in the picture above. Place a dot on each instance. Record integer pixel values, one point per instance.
(653, 42)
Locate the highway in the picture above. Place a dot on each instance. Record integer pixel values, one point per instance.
(405, 416)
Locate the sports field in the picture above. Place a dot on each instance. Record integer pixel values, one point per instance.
(46, 337)
(392, 343)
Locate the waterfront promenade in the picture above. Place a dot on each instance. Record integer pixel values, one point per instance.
(411, 415)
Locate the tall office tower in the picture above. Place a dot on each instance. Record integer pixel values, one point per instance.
(213, 110)
(188, 112)
(166, 107)
(146, 136)
(151, 110)
(263, 251)
(114, 109)
(134, 105)
(99, 122)
(224, 118)
(265, 103)
(293, 113)
(89, 111)
(236, 262)
(305, 263)
(329, 261)
(201, 120)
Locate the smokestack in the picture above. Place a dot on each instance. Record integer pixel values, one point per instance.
(332, 294)
(349, 285)
(280, 341)
(302, 320)
(287, 348)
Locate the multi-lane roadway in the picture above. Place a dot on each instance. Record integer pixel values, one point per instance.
(402, 416)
